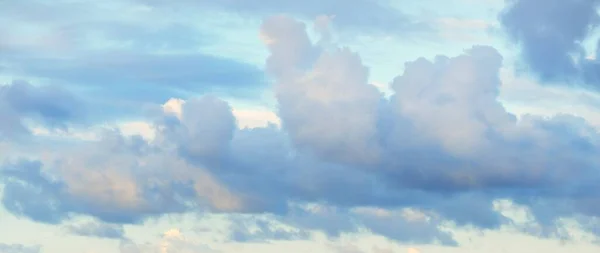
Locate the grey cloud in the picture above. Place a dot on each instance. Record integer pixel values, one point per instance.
(286, 37)
(448, 134)
(139, 182)
(209, 125)
(551, 41)
(119, 84)
(331, 220)
(51, 106)
(406, 229)
(97, 229)
(403, 225)
(259, 230)
(332, 91)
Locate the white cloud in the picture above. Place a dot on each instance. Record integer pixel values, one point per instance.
(253, 118)
(174, 106)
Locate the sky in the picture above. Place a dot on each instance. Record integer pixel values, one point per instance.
(329, 126)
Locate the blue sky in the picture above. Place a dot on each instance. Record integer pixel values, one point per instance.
(330, 126)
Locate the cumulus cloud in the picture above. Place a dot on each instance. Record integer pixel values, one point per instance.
(345, 158)
(208, 124)
(334, 90)
(126, 75)
(457, 89)
(118, 188)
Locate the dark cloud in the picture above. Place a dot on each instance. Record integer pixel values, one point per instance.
(551, 41)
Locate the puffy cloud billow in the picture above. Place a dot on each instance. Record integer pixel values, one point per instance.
(441, 149)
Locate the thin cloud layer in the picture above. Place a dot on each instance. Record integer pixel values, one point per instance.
(365, 15)
(136, 58)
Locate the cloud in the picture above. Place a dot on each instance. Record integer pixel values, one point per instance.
(416, 227)
(440, 151)
(18, 248)
(96, 182)
(337, 80)
(51, 106)
(68, 27)
(404, 225)
(551, 42)
(119, 64)
(260, 230)
(208, 125)
(145, 77)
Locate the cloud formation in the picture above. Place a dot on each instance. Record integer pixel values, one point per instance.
(441, 150)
